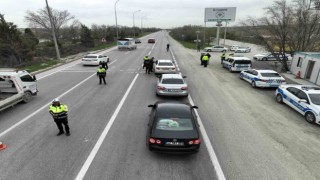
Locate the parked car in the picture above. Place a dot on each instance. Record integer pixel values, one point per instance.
(163, 66)
(215, 49)
(242, 50)
(233, 47)
(270, 57)
(303, 98)
(151, 40)
(262, 78)
(237, 63)
(173, 127)
(94, 59)
(172, 85)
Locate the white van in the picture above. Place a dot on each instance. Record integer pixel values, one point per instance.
(127, 44)
(237, 63)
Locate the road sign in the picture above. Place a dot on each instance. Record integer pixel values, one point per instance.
(220, 14)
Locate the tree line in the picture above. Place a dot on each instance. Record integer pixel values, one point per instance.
(21, 47)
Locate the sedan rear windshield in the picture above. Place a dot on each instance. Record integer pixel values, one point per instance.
(172, 81)
(174, 124)
(165, 64)
(90, 57)
(270, 75)
(315, 98)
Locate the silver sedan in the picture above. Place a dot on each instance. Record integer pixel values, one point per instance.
(172, 85)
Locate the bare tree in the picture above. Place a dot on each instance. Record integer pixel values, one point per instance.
(41, 19)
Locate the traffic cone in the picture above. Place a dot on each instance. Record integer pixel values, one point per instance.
(2, 146)
(298, 75)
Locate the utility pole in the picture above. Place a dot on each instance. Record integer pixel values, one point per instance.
(53, 32)
(134, 34)
(115, 13)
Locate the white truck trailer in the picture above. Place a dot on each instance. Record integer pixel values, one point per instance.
(16, 86)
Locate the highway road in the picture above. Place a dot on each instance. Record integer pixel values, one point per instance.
(253, 136)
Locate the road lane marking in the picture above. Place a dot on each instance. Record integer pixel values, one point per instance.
(207, 142)
(103, 135)
(45, 106)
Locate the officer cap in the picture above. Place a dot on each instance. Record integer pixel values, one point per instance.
(56, 100)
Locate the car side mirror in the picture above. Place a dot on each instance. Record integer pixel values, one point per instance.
(150, 105)
(34, 78)
(184, 76)
(194, 107)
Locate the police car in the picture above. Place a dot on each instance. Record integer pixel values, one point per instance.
(262, 78)
(303, 98)
(237, 63)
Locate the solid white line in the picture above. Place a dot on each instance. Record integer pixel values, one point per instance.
(212, 154)
(97, 146)
(45, 106)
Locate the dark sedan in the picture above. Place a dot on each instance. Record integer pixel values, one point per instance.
(173, 127)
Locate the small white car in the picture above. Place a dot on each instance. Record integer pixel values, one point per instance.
(215, 49)
(164, 66)
(172, 85)
(94, 59)
(242, 50)
(262, 78)
(303, 98)
(237, 63)
(233, 47)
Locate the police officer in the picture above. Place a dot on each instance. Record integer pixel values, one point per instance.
(205, 59)
(145, 59)
(101, 73)
(150, 65)
(59, 113)
(223, 57)
(168, 46)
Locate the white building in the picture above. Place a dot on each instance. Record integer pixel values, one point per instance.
(308, 64)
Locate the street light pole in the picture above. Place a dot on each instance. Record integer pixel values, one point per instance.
(141, 21)
(115, 13)
(134, 34)
(225, 33)
(53, 32)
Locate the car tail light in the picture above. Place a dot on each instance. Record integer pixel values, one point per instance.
(173, 68)
(184, 88)
(283, 81)
(152, 141)
(158, 141)
(196, 141)
(161, 87)
(158, 68)
(263, 80)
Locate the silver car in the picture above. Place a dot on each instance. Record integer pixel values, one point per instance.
(243, 50)
(162, 66)
(172, 85)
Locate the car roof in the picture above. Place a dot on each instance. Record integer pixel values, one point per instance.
(265, 70)
(239, 58)
(165, 60)
(173, 107)
(167, 76)
(93, 54)
(12, 71)
(306, 88)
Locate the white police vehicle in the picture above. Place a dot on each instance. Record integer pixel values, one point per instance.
(303, 98)
(262, 78)
(237, 63)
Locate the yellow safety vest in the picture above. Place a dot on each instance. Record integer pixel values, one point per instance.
(146, 58)
(101, 70)
(205, 58)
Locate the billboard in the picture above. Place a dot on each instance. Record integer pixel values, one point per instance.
(220, 14)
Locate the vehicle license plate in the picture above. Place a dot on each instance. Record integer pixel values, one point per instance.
(175, 143)
(165, 69)
(173, 90)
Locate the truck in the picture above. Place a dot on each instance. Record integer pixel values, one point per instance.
(16, 86)
(127, 44)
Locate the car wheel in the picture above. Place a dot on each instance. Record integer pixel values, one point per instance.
(27, 97)
(241, 77)
(157, 94)
(253, 84)
(310, 117)
(264, 59)
(223, 50)
(279, 98)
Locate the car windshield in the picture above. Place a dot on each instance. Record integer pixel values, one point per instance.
(172, 81)
(315, 98)
(90, 57)
(242, 62)
(165, 64)
(270, 75)
(174, 124)
(242, 47)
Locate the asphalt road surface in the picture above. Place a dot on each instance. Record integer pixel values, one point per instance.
(253, 136)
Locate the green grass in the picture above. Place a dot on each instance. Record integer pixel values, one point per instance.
(103, 46)
(40, 65)
(190, 45)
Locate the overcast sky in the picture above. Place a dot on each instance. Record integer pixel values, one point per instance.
(154, 13)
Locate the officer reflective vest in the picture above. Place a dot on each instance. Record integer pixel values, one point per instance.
(205, 58)
(223, 56)
(101, 72)
(146, 58)
(59, 112)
